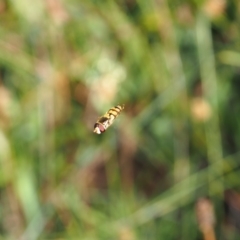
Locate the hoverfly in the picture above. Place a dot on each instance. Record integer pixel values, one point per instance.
(107, 119)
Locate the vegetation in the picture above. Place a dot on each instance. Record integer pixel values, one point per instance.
(168, 168)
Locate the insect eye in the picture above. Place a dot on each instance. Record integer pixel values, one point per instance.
(101, 127)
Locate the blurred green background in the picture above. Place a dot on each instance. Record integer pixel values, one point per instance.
(176, 67)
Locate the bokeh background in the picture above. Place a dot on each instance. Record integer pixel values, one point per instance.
(168, 168)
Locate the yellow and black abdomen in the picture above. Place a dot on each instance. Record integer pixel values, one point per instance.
(115, 111)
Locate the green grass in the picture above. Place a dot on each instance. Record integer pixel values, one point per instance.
(175, 66)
